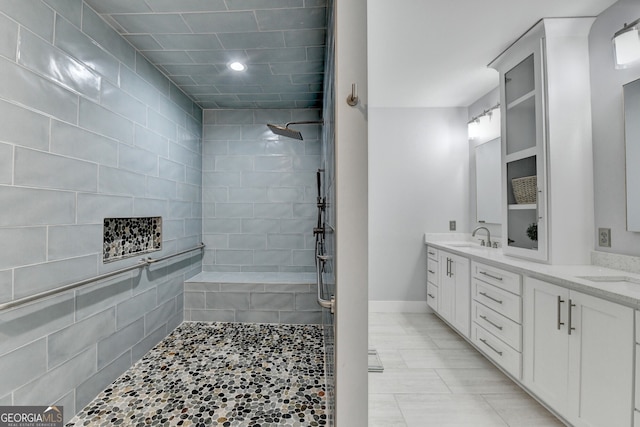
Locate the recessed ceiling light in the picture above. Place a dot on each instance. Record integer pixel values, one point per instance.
(237, 66)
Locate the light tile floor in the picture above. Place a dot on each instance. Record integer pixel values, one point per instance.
(433, 377)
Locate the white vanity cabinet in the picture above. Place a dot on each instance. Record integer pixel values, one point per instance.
(546, 134)
(636, 412)
(454, 296)
(432, 278)
(496, 311)
(579, 354)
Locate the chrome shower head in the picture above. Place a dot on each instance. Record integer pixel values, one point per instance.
(285, 131)
(292, 133)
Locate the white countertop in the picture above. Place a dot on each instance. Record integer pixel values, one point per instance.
(568, 276)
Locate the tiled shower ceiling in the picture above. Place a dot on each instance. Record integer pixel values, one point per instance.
(282, 43)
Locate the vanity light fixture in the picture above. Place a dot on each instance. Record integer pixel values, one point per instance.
(486, 125)
(237, 66)
(473, 128)
(626, 45)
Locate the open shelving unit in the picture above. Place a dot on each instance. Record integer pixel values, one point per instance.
(546, 134)
(523, 149)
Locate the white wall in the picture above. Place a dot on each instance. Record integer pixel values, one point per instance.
(351, 215)
(608, 127)
(418, 181)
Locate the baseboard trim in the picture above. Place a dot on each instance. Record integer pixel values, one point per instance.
(399, 307)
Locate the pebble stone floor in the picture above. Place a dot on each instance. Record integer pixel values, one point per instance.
(220, 374)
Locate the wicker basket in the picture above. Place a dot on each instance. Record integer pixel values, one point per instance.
(524, 189)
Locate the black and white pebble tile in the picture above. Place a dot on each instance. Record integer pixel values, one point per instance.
(220, 374)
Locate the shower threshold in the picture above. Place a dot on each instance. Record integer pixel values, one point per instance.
(220, 374)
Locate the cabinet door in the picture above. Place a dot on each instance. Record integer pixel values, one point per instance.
(447, 287)
(546, 137)
(462, 295)
(454, 292)
(523, 155)
(546, 343)
(601, 362)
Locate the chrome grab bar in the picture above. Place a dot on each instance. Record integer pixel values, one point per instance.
(321, 259)
(319, 232)
(142, 263)
(152, 260)
(324, 303)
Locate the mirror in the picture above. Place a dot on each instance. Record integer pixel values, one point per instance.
(488, 182)
(632, 144)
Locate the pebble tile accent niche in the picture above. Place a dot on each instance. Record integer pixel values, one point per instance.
(128, 237)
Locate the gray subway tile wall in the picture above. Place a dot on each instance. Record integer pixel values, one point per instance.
(259, 195)
(103, 135)
(265, 297)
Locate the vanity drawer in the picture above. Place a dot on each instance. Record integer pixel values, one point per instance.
(506, 329)
(503, 279)
(432, 296)
(509, 359)
(432, 271)
(432, 253)
(505, 303)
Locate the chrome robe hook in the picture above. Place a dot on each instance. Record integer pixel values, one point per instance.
(352, 99)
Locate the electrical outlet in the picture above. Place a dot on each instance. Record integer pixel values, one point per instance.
(452, 226)
(604, 237)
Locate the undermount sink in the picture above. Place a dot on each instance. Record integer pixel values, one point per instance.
(611, 279)
(463, 245)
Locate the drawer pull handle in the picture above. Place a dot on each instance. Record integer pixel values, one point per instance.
(431, 271)
(560, 301)
(490, 275)
(490, 322)
(431, 296)
(491, 298)
(490, 346)
(431, 253)
(570, 326)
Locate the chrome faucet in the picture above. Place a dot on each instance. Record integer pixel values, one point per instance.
(473, 233)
